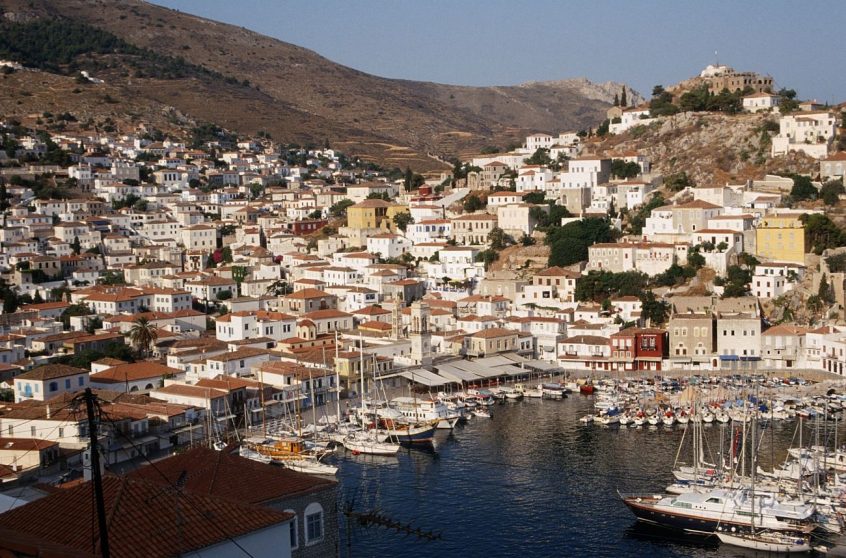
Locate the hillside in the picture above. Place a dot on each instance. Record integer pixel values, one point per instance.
(249, 82)
(712, 148)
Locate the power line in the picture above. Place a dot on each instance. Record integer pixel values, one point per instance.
(174, 486)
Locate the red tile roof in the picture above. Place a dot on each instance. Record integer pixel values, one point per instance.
(213, 473)
(144, 518)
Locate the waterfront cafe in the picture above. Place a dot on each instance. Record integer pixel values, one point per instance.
(478, 373)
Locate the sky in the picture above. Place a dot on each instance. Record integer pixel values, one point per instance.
(506, 42)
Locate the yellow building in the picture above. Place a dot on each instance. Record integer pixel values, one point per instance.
(780, 238)
(374, 214)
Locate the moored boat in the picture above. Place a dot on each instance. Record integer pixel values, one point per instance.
(781, 543)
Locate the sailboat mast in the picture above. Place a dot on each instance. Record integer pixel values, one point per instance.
(361, 370)
(753, 453)
(313, 404)
(337, 382)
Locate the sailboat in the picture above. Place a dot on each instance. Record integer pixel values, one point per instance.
(764, 540)
(365, 442)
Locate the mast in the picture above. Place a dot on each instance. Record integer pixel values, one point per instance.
(361, 374)
(801, 495)
(313, 404)
(754, 452)
(337, 383)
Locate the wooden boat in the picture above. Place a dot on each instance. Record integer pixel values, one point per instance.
(767, 541)
(586, 389)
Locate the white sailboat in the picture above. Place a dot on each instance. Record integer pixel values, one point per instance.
(365, 442)
(764, 540)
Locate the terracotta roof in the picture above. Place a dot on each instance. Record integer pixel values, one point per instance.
(493, 332)
(144, 519)
(307, 293)
(50, 372)
(326, 314)
(211, 473)
(133, 372)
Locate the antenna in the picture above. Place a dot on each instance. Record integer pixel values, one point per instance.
(716, 59)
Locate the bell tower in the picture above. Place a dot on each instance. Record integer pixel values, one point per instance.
(421, 338)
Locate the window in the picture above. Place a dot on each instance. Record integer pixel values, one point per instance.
(54, 386)
(295, 539)
(313, 523)
(81, 380)
(67, 383)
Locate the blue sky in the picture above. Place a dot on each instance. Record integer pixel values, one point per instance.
(504, 42)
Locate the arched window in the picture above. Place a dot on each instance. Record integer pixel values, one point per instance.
(148, 386)
(313, 523)
(295, 537)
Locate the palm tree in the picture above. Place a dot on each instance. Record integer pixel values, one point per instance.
(143, 335)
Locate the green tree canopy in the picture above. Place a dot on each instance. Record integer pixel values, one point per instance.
(569, 244)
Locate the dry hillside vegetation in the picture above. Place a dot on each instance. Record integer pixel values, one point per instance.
(297, 95)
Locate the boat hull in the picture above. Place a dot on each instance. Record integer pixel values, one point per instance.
(645, 511)
(796, 545)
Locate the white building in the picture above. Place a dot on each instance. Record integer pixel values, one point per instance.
(761, 102)
(809, 132)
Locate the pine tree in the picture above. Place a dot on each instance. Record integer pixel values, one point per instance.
(616, 100)
(623, 102)
(825, 292)
(37, 298)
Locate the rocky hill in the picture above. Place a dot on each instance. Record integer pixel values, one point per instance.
(248, 82)
(712, 148)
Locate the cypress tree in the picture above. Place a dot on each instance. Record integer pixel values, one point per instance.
(623, 102)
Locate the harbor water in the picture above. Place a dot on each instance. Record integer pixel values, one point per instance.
(531, 482)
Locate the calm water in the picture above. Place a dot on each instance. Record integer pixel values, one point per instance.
(532, 482)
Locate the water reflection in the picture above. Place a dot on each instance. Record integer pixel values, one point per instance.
(533, 482)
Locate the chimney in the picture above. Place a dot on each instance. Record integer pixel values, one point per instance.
(48, 410)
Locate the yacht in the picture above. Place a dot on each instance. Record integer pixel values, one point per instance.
(703, 512)
(417, 410)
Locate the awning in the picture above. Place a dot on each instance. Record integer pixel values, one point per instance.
(424, 377)
(456, 375)
(511, 370)
(474, 367)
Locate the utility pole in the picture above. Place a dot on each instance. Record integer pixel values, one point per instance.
(90, 399)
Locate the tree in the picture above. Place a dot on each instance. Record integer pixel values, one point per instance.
(498, 240)
(539, 157)
(569, 244)
(678, 181)
(402, 220)
(224, 295)
(535, 198)
(112, 278)
(616, 100)
(339, 209)
(76, 246)
(822, 233)
(695, 260)
(831, 191)
(473, 203)
(652, 309)
(37, 298)
(600, 285)
(239, 273)
(623, 102)
(624, 169)
(802, 189)
(142, 335)
(316, 214)
(825, 292)
(487, 257)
